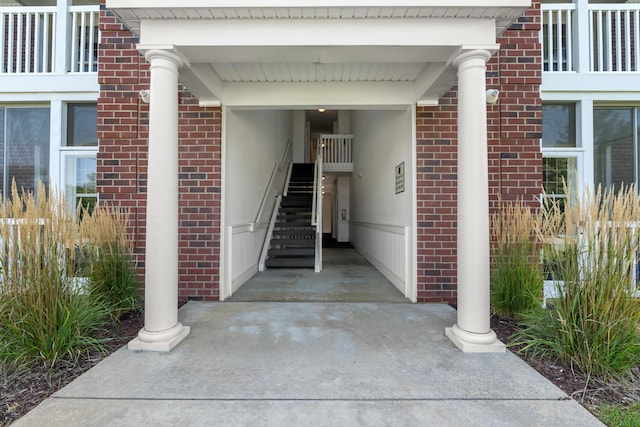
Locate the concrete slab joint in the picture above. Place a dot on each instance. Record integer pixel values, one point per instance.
(472, 332)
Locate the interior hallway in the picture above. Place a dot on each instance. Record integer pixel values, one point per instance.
(345, 277)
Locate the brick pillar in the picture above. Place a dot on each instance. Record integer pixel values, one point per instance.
(162, 331)
(472, 332)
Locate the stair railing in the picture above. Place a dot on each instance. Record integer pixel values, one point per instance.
(316, 210)
(287, 180)
(267, 239)
(263, 203)
(278, 165)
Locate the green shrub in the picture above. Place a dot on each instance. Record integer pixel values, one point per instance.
(63, 276)
(43, 315)
(516, 274)
(593, 324)
(111, 273)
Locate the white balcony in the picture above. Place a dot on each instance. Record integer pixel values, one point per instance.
(49, 40)
(336, 152)
(591, 38)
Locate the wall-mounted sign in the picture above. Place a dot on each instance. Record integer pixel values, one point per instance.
(400, 178)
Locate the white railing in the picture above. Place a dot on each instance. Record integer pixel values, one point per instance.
(27, 39)
(267, 238)
(589, 255)
(272, 185)
(32, 38)
(557, 36)
(316, 210)
(614, 37)
(336, 152)
(612, 32)
(84, 39)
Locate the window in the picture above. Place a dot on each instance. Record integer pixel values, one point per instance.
(24, 148)
(558, 125)
(561, 154)
(80, 182)
(615, 142)
(79, 155)
(558, 171)
(82, 125)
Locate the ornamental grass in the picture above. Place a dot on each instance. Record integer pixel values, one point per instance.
(516, 274)
(593, 323)
(50, 307)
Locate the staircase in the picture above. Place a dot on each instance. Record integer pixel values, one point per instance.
(294, 238)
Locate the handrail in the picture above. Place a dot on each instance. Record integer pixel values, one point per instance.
(267, 239)
(284, 155)
(267, 191)
(278, 165)
(286, 181)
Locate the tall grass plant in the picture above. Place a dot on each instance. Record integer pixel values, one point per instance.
(110, 270)
(516, 274)
(43, 314)
(594, 322)
(63, 276)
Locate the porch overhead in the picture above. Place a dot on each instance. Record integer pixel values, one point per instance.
(317, 52)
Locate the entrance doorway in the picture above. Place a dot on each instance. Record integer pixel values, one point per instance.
(361, 207)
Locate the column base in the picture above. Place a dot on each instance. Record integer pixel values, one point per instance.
(470, 342)
(163, 341)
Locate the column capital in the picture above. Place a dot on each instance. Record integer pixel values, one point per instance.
(467, 55)
(163, 54)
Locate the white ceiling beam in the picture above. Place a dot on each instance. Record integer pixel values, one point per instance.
(239, 4)
(326, 32)
(316, 54)
(316, 95)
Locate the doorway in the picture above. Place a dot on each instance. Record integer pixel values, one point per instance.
(361, 208)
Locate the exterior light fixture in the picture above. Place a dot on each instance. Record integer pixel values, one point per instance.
(321, 110)
(492, 96)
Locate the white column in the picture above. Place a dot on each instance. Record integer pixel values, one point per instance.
(472, 332)
(162, 331)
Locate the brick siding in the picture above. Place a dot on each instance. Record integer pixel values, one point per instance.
(514, 127)
(122, 161)
(515, 161)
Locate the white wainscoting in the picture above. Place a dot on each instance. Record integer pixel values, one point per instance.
(243, 246)
(387, 248)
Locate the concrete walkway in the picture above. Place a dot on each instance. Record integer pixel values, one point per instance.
(311, 364)
(346, 276)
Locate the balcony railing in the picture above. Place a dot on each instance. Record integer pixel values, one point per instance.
(336, 152)
(44, 40)
(612, 32)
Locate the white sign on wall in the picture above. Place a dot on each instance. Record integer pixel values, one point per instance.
(400, 178)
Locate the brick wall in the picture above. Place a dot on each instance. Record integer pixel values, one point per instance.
(515, 165)
(515, 162)
(122, 161)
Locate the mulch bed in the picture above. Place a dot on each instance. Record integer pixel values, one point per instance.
(588, 392)
(21, 393)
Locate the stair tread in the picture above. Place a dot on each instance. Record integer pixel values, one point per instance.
(290, 262)
(291, 252)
